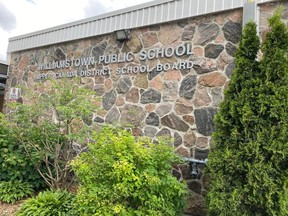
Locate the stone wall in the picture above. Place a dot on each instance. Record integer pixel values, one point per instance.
(179, 103)
(266, 11)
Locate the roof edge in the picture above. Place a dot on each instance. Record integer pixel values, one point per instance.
(146, 14)
(3, 62)
(93, 18)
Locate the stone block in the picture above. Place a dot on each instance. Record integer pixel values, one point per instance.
(150, 96)
(174, 122)
(187, 87)
(204, 120)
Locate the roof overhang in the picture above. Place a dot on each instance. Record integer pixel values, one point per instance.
(151, 13)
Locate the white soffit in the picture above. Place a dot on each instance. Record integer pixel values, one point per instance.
(154, 12)
(3, 62)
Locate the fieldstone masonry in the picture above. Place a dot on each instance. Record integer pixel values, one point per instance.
(179, 102)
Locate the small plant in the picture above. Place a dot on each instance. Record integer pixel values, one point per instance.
(122, 176)
(11, 191)
(48, 203)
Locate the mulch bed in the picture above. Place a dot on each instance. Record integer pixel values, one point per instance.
(9, 209)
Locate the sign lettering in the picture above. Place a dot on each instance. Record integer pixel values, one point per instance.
(154, 53)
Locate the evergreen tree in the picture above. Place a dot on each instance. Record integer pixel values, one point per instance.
(248, 163)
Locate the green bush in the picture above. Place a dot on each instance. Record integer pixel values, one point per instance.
(122, 176)
(11, 191)
(48, 203)
(14, 163)
(248, 161)
(53, 126)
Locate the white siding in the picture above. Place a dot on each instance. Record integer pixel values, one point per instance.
(150, 13)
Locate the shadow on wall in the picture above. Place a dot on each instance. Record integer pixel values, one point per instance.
(1, 102)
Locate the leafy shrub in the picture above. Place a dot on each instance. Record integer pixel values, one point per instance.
(48, 203)
(248, 161)
(122, 176)
(50, 126)
(11, 191)
(14, 163)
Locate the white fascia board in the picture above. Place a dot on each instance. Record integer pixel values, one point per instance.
(91, 19)
(102, 24)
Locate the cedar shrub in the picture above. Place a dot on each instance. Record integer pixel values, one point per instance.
(248, 161)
